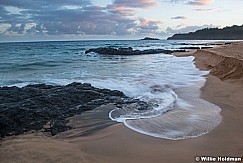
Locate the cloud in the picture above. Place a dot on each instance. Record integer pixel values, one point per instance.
(179, 17)
(147, 27)
(18, 28)
(122, 11)
(135, 3)
(75, 17)
(206, 10)
(36, 30)
(126, 7)
(200, 2)
(192, 2)
(43, 4)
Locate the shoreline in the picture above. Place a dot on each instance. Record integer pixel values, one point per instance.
(117, 143)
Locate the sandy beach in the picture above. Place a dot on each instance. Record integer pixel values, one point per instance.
(91, 141)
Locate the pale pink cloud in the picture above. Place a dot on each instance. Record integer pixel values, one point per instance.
(144, 22)
(126, 12)
(146, 26)
(123, 11)
(126, 7)
(147, 22)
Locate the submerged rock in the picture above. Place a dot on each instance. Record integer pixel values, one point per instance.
(46, 107)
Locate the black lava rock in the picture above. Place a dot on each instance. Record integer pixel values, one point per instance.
(130, 51)
(46, 107)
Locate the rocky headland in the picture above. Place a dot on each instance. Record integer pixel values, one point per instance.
(228, 33)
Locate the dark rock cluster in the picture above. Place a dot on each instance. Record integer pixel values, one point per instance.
(35, 106)
(129, 51)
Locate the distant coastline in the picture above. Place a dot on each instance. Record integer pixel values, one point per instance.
(228, 33)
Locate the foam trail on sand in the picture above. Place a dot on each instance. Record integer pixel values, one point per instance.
(159, 99)
(188, 117)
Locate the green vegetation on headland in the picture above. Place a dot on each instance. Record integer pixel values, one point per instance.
(228, 33)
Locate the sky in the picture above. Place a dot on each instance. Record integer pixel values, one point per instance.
(33, 20)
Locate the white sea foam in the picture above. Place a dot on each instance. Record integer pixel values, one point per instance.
(160, 99)
(190, 117)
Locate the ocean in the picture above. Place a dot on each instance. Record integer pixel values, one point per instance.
(159, 79)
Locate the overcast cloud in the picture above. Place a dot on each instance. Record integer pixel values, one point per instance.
(74, 17)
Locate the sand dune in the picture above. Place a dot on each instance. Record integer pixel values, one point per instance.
(225, 62)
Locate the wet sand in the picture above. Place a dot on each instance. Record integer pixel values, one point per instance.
(98, 139)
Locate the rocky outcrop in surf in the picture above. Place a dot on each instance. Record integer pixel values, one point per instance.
(46, 107)
(129, 51)
(150, 38)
